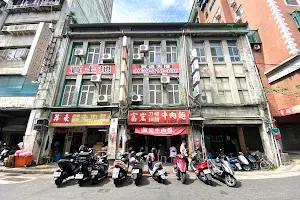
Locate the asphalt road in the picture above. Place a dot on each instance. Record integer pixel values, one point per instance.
(42, 187)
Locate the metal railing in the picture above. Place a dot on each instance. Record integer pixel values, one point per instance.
(37, 3)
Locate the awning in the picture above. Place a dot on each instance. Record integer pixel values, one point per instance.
(161, 130)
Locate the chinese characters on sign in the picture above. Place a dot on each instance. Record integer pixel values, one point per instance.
(161, 130)
(80, 118)
(90, 69)
(155, 69)
(147, 117)
(290, 111)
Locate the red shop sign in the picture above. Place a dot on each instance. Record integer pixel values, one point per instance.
(155, 69)
(90, 69)
(148, 117)
(161, 130)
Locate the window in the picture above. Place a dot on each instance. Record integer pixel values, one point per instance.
(173, 93)
(253, 37)
(216, 51)
(137, 89)
(296, 17)
(212, 5)
(239, 11)
(200, 48)
(233, 51)
(224, 90)
(243, 90)
(110, 49)
(292, 2)
(171, 54)
(17, 86)
(105, 89)
(206, 95)
(76, 60)
(87, 95)
(154, 54)
(68, 95)
(156, 93)
(93, 56)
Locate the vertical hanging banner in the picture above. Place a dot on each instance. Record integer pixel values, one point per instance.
(37, 52)
(124, 69)
(112, 138)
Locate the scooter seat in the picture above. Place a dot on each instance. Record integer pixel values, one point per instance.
(84, 153)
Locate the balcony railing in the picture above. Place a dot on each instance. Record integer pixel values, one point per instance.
(37, 5)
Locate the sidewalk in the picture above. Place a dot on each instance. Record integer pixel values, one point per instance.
(283, 171)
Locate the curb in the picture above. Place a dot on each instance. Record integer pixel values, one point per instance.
(27, 171)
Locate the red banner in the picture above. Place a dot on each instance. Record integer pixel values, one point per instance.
(148, 117)
(155, 69)
(289, 111)
(90, 69)
(162, 130)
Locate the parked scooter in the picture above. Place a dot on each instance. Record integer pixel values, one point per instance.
(157, 170)
(180, 168)
(67, 168)
(235, 163)
(201, 168)
(4, 151)
(244, 162)
(120, 169)
(84, 160)
(99, 168)
(221, 169)
(136, 161)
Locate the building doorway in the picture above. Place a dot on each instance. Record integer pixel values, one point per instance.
(76, 141)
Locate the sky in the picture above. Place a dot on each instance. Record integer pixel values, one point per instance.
(151, 10)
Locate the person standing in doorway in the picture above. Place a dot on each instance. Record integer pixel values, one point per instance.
(183, 151)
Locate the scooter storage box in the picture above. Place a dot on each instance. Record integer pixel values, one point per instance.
(20, 161)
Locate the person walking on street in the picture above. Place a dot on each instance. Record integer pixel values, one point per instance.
(183, 151)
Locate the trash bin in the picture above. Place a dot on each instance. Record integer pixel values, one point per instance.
(20, 161)
(28, 160)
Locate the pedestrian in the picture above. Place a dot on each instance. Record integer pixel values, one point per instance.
(183, 151)
(173, 153)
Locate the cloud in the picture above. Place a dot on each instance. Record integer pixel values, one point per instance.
(151, 10)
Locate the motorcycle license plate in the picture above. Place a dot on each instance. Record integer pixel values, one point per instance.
(206, 171)
(79, 176)
(56, 174)
(94, 172)
(115, 173)
(135, 171)
(161, 172)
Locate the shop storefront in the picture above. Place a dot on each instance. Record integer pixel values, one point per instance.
(73, 129)
(155, 128)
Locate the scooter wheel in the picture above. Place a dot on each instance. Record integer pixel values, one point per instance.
(137, 182)
(183, 177)
(58, 181)
(116, 182)
(163, 181)
(230, 180)
(80, 183)
(246, 167)
(255, 166)
(202, 177)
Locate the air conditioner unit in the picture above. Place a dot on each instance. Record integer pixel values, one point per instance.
(237, 19)
(144, 48)
(107, 57)
(96, 78)
(78, 52)
(136, 98)
(103, 99)
(6, 28)
(218, 16)
(42, 122)
(137, 57)
(256, 47)
(165, 79)
(38, 127)
(232, 3)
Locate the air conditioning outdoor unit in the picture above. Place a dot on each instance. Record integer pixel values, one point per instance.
(136, 98)
(78, 52)
(103, 99)
(237, 19)
(41, 124)
(144, 48)
(165, 79)
(5, 28)
(96, 78)
(38, 127)
(107, 57)
(218, 16)
(232, 3)
(137, 57)
(256, 47)
(42, 121)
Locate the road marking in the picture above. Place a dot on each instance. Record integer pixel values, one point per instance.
(14, 179)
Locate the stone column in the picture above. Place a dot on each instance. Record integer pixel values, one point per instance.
(242, 139)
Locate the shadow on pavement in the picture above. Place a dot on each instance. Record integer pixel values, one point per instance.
(215, 184)
(66, 183)
(145, 181)
(125, 182)
(238, 184)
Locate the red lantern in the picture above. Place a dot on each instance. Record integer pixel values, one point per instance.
(277, 136)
